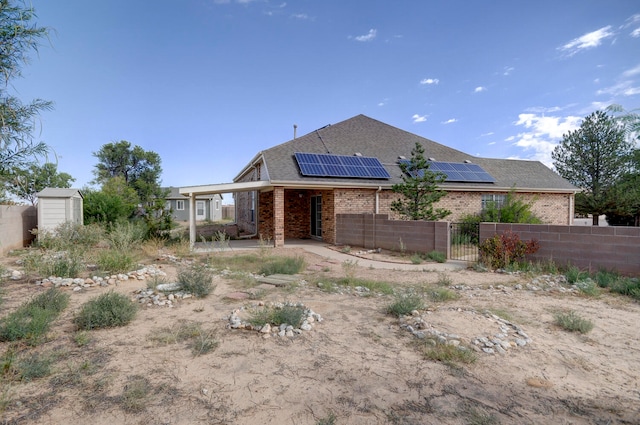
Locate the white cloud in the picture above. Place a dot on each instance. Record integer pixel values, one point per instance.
(542, 134)
(450, 121)
(508, 70)
(367, 37)
(587, 41)
(635, 33)
(479, 89)
(631, 72)
(302, 16)
(429, 81)
(487, 134)
(419, 118)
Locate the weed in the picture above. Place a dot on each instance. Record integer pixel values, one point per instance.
(59, 263)
(265, 245)
(476, 417)
(31, 321)
(572, 322)
(124, 235)
(346, 249)
(155, 281)
(115, 261)
(503, 314)
(135, 393)
(283, 265)
(449, 354)
(107, 310)
(416, 259)
(200, 340)
(502, 250)
(222, 240)
(277, 315)
(626, 286)
(34, 366)
(437, 256)
(373, 286)
(81, 338)
(330, 419)
(404, 304)
(196, 279)
(444, 280)
(588, 287)
(574, 274)
(442, 295)
(349, 268)
(402, 246)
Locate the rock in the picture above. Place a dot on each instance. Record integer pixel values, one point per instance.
(305, 326)
(169, 287)
(521, 342)
(266, 329)
(488, 350)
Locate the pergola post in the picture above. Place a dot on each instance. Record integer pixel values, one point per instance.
(278, 216)
(192, 220)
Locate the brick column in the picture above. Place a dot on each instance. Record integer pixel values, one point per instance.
(278, 216)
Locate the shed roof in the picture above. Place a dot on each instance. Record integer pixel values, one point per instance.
(58, 192)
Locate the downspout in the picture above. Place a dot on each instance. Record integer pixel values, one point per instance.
(378, 199)
(377, 211)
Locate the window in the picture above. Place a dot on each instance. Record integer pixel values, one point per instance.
(180, 205)
(217, 205)
(253, 207)
(496, 199)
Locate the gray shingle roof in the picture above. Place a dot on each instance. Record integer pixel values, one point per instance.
(370, 137)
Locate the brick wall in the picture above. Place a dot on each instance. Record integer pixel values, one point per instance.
(377, 231)
(265, 215)
(16, 222)
(587, 247)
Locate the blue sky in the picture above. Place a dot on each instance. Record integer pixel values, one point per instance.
(209, 83)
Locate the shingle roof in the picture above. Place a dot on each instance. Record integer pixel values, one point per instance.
(370, 137)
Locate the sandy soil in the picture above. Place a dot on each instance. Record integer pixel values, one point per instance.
(356, 367)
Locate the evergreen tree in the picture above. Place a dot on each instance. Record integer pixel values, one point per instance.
(419, 189)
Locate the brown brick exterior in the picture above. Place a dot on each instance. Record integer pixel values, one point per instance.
(551, 208)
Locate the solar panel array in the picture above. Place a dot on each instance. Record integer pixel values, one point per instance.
(328, 165)
(458, 172)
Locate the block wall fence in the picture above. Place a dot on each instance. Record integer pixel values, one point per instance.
(589, 248)
(377, 231)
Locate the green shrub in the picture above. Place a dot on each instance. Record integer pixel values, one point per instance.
(283, 265)
(374, 286)
(442, 295)
(135, 394)
(115, 261)
(512, 210)
(59, 264)
(404, 304)
(588, 287)
(32, 320)
(626, 286)
(34, 366)
(70, 236)
(503, 250)
(124, 235)
(287, 314)
(572, 322)
(574, 274)
(449, 354)
(605, 278)
(196, 279)
(416, 259)
(437, 256)
(107, 310)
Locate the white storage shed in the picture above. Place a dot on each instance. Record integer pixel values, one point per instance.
(57, 206)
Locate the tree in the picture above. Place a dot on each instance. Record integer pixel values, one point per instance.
(105, 207)
(419, 189)
(624, 197)
(123, 167)
(18, 36)
(140, 169)
(593, 158)
(25, 183)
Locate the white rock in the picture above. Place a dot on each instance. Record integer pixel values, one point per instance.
(266, 329)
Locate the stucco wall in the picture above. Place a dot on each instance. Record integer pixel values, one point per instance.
(16, 222)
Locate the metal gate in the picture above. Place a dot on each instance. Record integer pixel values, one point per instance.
(464, 241)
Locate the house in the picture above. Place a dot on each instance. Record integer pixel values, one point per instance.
(207, 207)
(296, 189)
(57, 206)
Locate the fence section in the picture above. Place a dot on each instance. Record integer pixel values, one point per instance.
(377, 231)
(16, 222)
(464, 241)
(586, 247)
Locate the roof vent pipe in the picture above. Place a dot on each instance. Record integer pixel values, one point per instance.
(295, 127)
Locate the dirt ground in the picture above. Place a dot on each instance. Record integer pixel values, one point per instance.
(357, 366)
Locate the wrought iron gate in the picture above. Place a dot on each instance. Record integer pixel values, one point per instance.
(464, 241)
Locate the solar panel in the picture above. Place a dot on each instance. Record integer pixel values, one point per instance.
(455, 172)
(328, 165)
